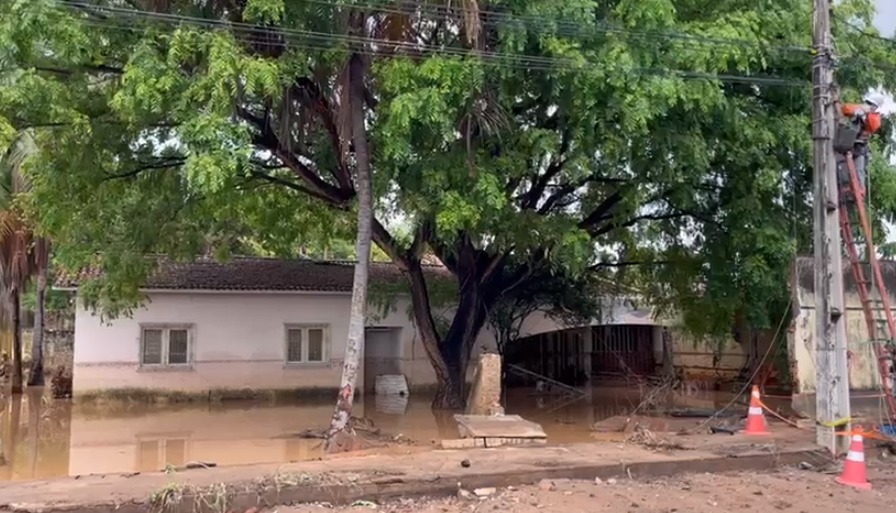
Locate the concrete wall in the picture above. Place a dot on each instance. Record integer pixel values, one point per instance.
(699, 360)
(864, 373)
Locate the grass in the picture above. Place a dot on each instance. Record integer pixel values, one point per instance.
(218, 395)
(219, 497)
(126, 398)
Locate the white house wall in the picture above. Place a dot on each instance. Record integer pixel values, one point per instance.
(238, 342)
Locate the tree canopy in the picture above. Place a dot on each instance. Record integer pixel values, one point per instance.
(662, 142)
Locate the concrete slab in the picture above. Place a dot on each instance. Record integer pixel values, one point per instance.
(499, 426)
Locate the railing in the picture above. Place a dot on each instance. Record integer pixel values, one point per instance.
(526, 373)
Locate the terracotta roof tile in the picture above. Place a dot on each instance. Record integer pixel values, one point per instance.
(259, 274)
(805, 274)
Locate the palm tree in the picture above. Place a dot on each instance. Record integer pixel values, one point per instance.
(22, 256)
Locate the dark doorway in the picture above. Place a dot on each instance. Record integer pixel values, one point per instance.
(383, 354)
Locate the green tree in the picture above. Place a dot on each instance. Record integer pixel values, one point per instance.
(522, 139)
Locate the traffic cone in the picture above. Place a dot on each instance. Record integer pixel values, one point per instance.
(854, 472)
(755, 418)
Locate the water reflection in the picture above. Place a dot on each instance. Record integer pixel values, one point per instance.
(35, 433)
(42, 438)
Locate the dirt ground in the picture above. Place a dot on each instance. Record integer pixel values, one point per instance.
(789, 490)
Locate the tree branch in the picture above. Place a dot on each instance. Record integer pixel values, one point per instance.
(556, 199)
(146, 167)
(389, 245)
(599, 214)
(627, 264)
(422, 235)
(266, 138)
(292, 185)
(524, 272)
(637, 219)
(68, 72)
(309, 96)
(540, 183)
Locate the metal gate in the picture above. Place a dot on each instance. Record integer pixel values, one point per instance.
(623, 350)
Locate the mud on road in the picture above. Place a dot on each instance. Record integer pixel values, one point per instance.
(789, 490)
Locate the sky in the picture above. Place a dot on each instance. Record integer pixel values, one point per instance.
(886, 23)
(886, 16)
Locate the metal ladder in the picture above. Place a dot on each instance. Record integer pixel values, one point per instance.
(881, 330)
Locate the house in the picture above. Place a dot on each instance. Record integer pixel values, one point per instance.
(257, 325)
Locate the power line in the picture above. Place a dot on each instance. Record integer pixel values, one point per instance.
(322, 40)
(862, 31)
(492, 17)
(573, 28)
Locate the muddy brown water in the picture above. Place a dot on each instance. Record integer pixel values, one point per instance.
(41, 438)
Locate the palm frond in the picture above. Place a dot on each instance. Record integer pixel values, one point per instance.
(12, 174)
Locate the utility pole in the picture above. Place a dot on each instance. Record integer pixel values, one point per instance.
(831, 372)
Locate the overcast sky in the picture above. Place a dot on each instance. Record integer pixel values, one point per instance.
(886, 23)
(886, 16)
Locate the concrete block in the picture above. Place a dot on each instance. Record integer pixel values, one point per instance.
(485, 394)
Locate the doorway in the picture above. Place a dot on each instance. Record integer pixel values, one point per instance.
(383, 354)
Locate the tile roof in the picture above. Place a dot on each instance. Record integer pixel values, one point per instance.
(805, 274)
(257, 274)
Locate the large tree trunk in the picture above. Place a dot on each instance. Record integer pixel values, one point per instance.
(449, 385)
(36, 377)
(341, 435)
(16, 342)
(450, 355)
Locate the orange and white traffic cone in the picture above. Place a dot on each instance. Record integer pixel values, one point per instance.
(755, 419)
(854, 472)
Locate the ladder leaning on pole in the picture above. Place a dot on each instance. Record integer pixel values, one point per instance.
(881, 329)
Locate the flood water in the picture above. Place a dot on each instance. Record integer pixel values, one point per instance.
(44, 438)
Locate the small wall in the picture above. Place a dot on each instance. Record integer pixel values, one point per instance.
(698, 360)
(864, 373)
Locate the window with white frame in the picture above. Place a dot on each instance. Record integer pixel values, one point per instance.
(307, 344)
(162, 346)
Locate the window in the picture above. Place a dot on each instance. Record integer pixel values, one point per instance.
(154, 454)
(307, 344)
(164, 346)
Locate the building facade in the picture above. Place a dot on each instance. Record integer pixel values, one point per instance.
(253, 326)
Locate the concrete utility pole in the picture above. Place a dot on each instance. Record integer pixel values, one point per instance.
(831, 372)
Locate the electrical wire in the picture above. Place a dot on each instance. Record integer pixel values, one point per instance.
(491, 17)
(323, 41)
(749, 381)
(565, 27)
(536, 63)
